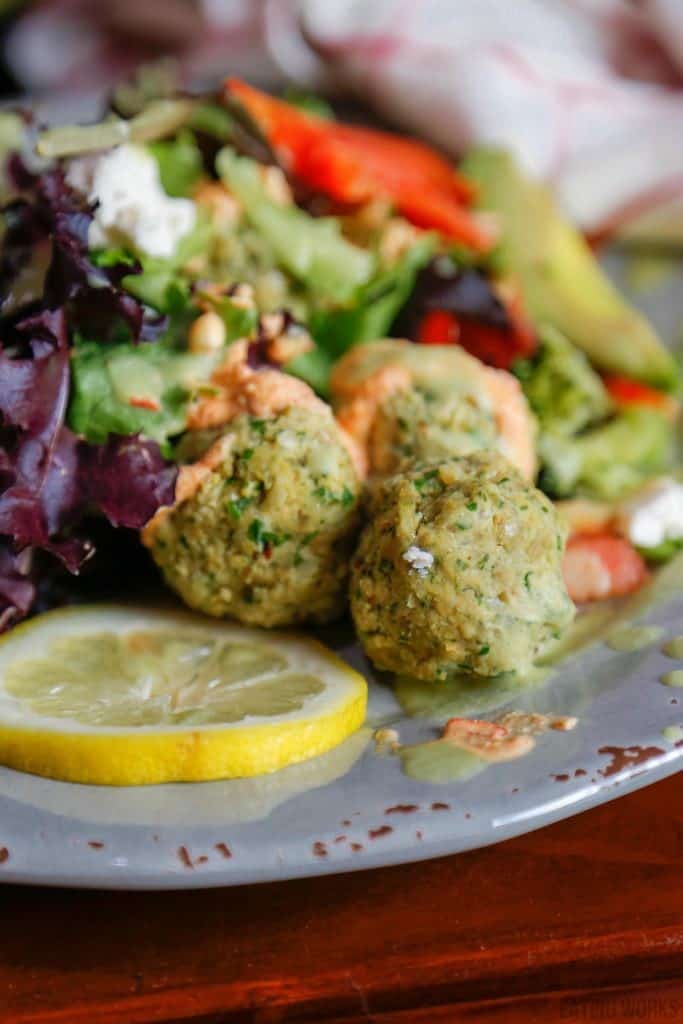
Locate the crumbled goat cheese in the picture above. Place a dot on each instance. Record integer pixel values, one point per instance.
(287, 440)
(655, 515)
(132, 206)
(418, 559)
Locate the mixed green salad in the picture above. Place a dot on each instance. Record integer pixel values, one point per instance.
(139, 251)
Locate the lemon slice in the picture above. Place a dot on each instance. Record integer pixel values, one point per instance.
(123, 696)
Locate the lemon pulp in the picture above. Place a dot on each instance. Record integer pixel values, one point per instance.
(156, 678)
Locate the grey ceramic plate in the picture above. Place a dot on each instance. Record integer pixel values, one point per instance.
(352, 809)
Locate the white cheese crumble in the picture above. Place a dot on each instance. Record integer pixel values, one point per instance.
(418, 559)
(287, 439)
(655, 515)
(132, 206)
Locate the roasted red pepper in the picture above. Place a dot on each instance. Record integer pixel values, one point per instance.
(495, 345)
(625, 391)
(439, 327)
(353, 165)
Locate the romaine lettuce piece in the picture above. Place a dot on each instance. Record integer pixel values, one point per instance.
(180, 163)
(368, 316)
(211, 119)
(563, 390)
(311, 249)
(240, 320)
(315, 368)
(161, 284)
(374, 306)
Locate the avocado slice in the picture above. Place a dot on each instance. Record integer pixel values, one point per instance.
(610, 460)
(561, 282)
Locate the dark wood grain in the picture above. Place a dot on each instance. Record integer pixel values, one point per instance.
(578, 922)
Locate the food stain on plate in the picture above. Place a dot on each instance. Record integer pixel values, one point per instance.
(674, 648)
(627, 757)
(468, 746)
(464, 694)
(674, 678)
(633, 638)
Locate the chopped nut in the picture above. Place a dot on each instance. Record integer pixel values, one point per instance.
(564, 723)
(207, 334)
(289, 345)
(272, 325)
(196, 265)
(397, 237)
(386, 741)
(362, 224)
(275, 185)
(490, 222)
(208, 293)
(242, 295)
(222, 207)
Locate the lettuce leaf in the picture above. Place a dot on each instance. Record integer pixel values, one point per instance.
(312, 249)
(123, 389)
(212, 119)
(127, 479)
(161, 283)
(373, 306)
(315, 368)
(663, 552)
(562, 388)
(369, 315)
(180, 163)
(49, 478)
(40, 497)
(241, 321)
(17, 586)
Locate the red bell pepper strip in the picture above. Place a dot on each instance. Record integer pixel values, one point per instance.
(495, 346)
(439, 327)
(353, 165)
(625, 391)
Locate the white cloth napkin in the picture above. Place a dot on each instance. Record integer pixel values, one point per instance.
(588, 93)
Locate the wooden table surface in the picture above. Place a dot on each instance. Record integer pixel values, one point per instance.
(582, 921)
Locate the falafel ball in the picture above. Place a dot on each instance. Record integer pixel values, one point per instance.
(459, 570)
(404, 403)
(428, 422)
(267, 535)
